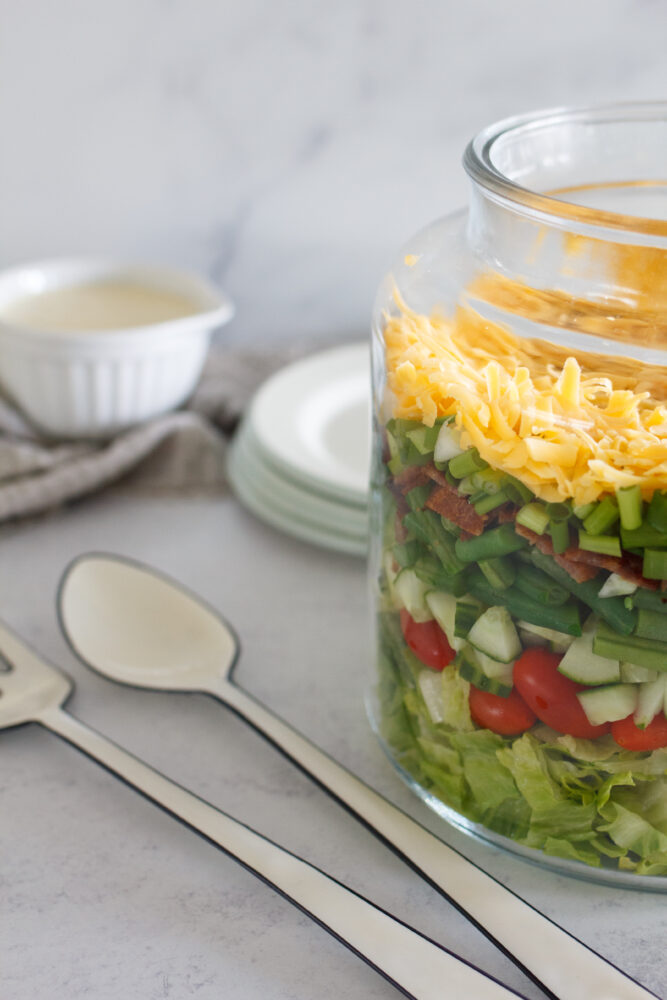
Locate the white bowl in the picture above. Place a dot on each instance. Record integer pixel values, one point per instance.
(96, 383)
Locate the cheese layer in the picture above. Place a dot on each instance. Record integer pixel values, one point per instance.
(566, 427)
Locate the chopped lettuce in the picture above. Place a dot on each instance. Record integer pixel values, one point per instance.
(588, 801)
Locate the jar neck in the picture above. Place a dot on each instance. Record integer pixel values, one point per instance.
(545, 251)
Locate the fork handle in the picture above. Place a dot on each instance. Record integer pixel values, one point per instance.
(420, 968)
(561, 964)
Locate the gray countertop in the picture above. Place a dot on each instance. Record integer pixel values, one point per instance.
(106, 896)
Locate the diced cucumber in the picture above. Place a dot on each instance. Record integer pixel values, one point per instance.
(496, 669)
(470, 669)
(608, 704)
(615, 585)
(632, 674)
(430, 687)
(448, 444)
(442, 607)
(581, 664)
(559, 641)
(650, 701)
(411, 594)
(465, 617)
(494, 633)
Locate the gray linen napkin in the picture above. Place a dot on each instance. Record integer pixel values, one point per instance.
(180, 451)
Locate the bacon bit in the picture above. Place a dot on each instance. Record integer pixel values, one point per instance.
(408, 479)
(580, 572)
(437, 476)
(445, 500)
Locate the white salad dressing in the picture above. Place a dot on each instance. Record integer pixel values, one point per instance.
(97, 305)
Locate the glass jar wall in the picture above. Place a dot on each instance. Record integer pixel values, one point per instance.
(519, 497)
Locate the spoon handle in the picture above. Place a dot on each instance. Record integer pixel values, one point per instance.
(561, 964)
(419, 967)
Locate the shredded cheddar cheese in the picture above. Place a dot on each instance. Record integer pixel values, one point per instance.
(567, 428)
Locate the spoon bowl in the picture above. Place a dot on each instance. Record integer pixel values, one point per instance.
(136, 627)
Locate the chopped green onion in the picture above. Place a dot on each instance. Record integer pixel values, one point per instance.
(558, 511)
(602, 518)
(655, 564)
(584, 510)
(489, 480)
(490, 502)
(499, 572)
(657, 512)
(607, 545)
(560, 536)
(424, 438)
(496, 542)
(534, 516)
(516, 490)
(630, 506)
(466, 486)
(467, 463)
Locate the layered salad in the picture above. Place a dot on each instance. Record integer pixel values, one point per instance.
(523, 585)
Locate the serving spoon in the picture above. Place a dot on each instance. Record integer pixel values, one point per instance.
(137, 627)
(33, 690)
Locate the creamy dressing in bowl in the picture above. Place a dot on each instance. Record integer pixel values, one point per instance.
(109, 304)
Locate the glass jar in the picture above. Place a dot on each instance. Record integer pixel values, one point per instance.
(519, 497)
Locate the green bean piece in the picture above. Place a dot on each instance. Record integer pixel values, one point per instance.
(407, 553)
(645, 537)
(537, 585)
(651, 625)
(655, 564)
(602, 518)
(649, 653)
(418, 496)
(563, 619)
(500, 541)
(630, 506)
(654, 600)
(498, 571)
(612, 609)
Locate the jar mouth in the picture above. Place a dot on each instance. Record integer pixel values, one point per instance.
(586, 166)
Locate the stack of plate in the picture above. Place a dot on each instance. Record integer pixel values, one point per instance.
(300, 459)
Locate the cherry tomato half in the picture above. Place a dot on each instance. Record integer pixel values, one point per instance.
(427, 641)
(630, 737)
(551, 695)
(506, 716)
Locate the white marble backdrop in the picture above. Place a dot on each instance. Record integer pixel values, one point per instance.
(287, 149)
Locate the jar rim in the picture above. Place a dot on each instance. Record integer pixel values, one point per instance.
(479, 164)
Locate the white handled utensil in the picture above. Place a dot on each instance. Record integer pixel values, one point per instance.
(34, 691)
(137, 627)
